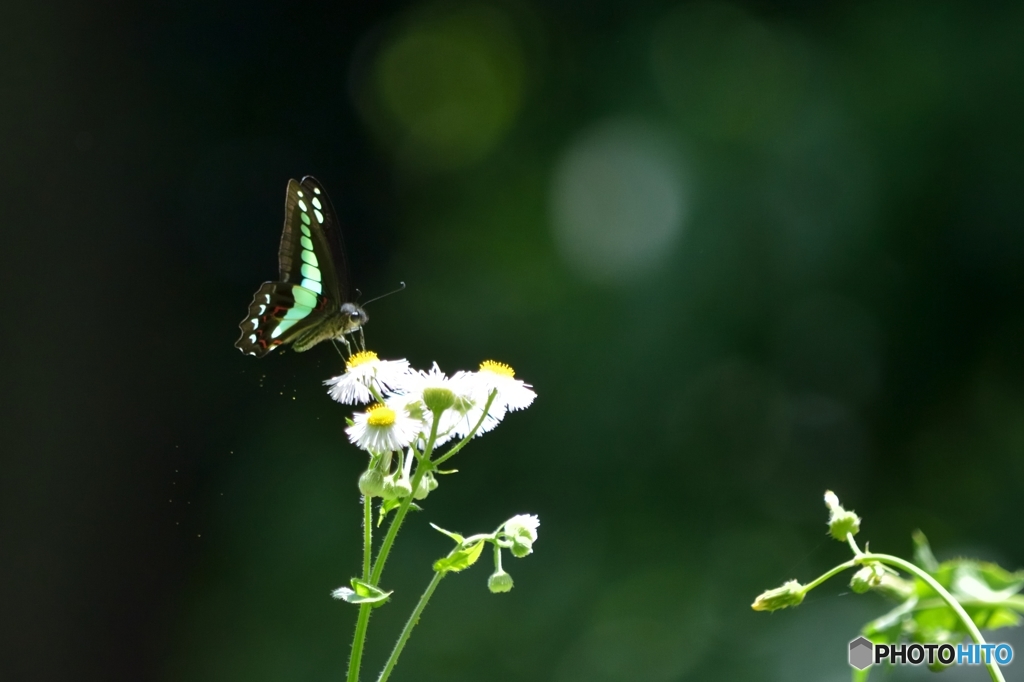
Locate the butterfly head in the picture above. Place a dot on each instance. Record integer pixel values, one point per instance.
(354, 317)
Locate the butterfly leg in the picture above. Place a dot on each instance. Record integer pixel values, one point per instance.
(362, 340)
(335, 344)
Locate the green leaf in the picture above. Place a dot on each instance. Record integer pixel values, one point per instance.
(973, 579)
(886, 629)
(985, 582)
(999, 617)
(454, 536)
(388, 506)
(362, 593)
(923, 556)
(460, 559)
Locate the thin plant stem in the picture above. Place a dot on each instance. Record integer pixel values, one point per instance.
(828, 574)
(367, 535)
(462, 443)
(424, 465)
(363, 621)
(861, 558)
(414, 618)
(965, 618)
(389, 539)
(358, 639)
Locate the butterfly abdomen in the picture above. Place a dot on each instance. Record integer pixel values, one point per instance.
(333, 326)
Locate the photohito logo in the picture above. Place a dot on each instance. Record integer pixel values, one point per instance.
(863, 653)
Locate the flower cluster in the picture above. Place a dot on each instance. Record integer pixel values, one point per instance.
(413, 412)
(517, 535)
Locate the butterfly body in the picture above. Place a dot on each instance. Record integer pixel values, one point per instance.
(334, 326)
(310, 302)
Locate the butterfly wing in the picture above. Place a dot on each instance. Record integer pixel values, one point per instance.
(311, 252)
(313, 271)
(279, 313)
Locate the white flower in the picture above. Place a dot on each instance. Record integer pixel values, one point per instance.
(362, 371)
(510, 394)
(467, 414)
(522, 531)
(435, 392)
(382, 428)
(418, 382)
(524, 526)
(513, 394)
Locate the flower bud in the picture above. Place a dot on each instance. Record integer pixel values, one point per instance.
(438, 399)
(521, 532)
(895, 587)
(523, 526)
(371, 483)
(840, 521)
(867, 577)
(396, 487)
(521, 547)
(790, 594)
(500, 581)
(426, 484)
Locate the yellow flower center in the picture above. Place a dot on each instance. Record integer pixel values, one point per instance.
(360, 358)
(497, 367)
(380, 415)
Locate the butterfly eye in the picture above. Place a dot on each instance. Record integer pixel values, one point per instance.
(355, 315)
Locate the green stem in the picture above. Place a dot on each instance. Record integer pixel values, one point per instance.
(951, 601)
(414, 618)
(462, 443)
(421, 468)
(358, 640)
(363, 621)
(972, 629)
(367, 535)
(423, 465)
(825, 576)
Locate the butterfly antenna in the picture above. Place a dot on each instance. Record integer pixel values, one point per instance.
(401, 286)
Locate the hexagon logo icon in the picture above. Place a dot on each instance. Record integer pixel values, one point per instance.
(861, 653)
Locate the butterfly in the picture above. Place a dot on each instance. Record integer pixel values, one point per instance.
(311, 302)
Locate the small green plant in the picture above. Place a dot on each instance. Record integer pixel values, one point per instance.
(413, 415)
(940, 603)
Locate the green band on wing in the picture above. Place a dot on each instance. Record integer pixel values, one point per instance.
(297, 312)
(306, 242)
(305, 218)
(310, 257)
(310, 272)
(305, 230)
(282, 328)
(304, 296)
(312, 285)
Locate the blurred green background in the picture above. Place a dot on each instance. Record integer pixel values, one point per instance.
(744, 252)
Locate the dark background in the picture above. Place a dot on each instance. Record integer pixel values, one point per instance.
(744, 252)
